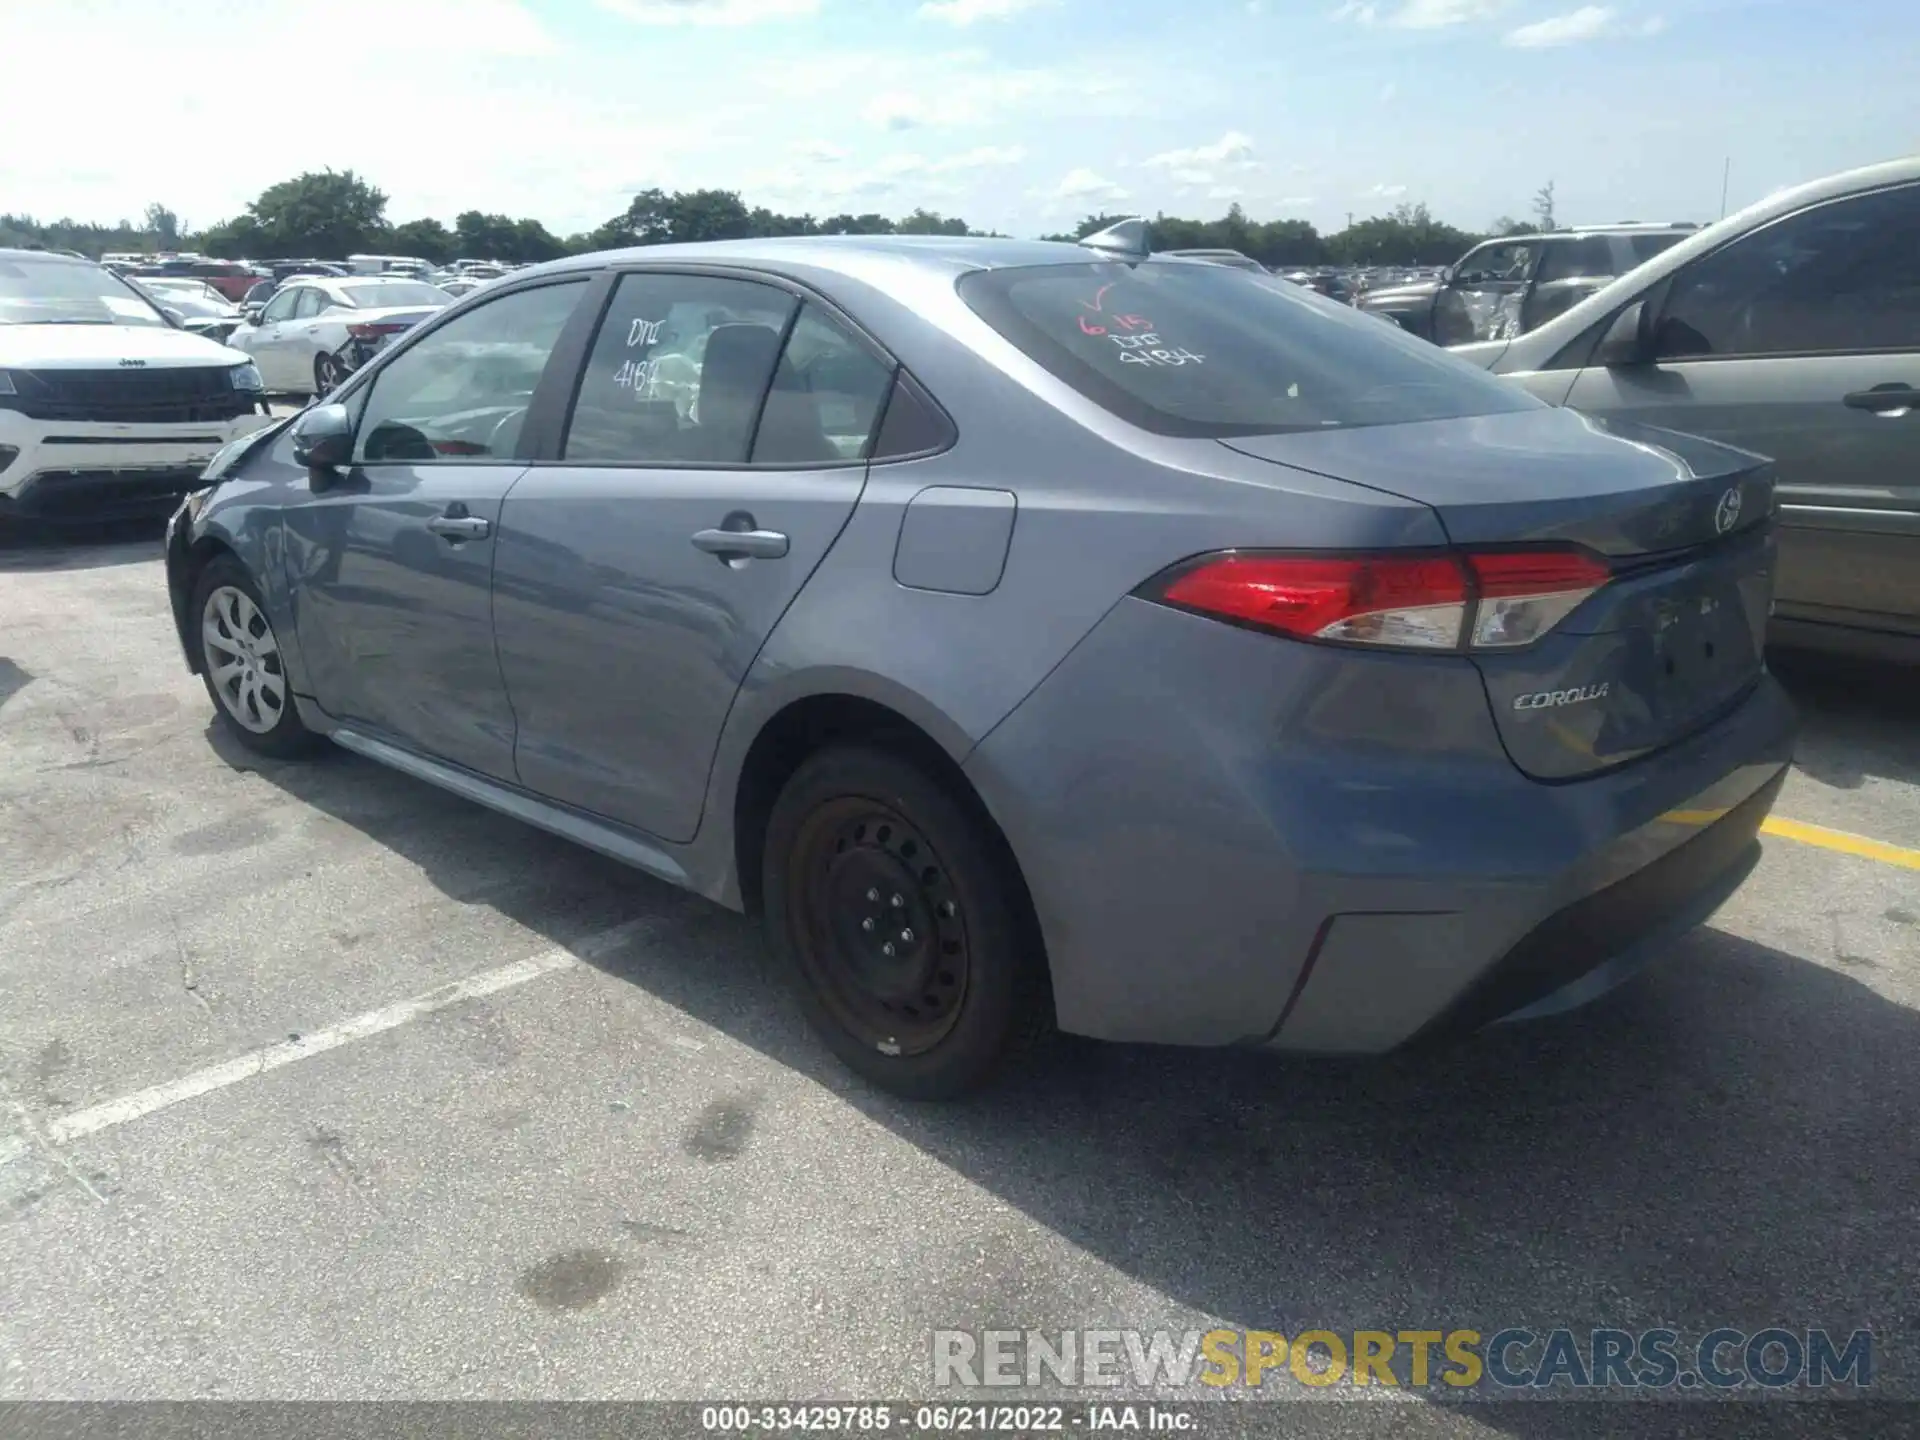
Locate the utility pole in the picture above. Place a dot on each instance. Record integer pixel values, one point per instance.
(1349, 219)
(1726, 174)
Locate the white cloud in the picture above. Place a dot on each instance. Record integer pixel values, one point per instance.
(1589, 22)
(1083, 186)
(1293, 202)
(957, 90)
(1226, 192)
(1232, 148)
(707, 12)
(969, 12)
(983, 157)
(820, 152)
(1384, 192)
(1388, 91)
(1421, 14)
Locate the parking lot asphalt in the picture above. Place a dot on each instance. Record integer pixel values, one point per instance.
(499, 1118)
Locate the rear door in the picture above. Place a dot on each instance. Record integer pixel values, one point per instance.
(389, 561)
(1802, 341)
(638, 576)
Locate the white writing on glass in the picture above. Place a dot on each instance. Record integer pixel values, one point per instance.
(643, 332)
(637, 375)
(1161, 357)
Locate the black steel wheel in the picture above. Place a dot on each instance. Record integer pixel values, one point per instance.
(902, 922)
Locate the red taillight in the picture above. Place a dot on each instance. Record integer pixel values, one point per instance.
(1375, 600)
(1491, 599)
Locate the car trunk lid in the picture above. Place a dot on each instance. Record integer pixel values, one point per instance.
(1668, 644)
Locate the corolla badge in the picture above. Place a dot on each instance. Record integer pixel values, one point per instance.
(128, 360)
(1727, 513)
(1552, 699)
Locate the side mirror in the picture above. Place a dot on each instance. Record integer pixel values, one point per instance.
(323, 438)
(178, 317)
(1626, 341)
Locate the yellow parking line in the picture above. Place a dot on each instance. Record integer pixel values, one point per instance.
(1840, 840)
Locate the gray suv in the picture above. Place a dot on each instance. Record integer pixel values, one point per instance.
(1504, 288)
(1791, 329)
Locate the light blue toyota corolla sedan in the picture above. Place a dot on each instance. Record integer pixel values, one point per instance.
(1030, 633)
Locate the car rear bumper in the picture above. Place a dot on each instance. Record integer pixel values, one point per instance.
(74, 470)
(1236, 839)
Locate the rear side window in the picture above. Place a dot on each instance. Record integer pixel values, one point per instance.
(1575, 259)
(1205, 351)
(825, 399)
(678, 371)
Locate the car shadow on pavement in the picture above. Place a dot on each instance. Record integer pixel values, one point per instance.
(42, 545)
(1859, 719)
(1729, 1140)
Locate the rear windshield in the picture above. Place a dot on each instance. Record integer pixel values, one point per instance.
(1209, 352)
(396, 292)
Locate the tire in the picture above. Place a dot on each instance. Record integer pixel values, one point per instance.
(865, 850)
(328, 373)
(255, 705)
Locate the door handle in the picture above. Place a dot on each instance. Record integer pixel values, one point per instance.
(743, 544)
(459, 527)
(1892, 400)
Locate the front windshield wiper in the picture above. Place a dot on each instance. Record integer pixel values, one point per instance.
(62, 322)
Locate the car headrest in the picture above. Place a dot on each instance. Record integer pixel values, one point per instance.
(738, 360)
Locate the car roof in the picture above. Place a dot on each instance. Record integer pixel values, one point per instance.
(58, 257)
(1565, 326)
(850, 255)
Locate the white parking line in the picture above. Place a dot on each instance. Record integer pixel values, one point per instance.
(68, 1128)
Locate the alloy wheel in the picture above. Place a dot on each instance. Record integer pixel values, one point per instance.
(243, 660)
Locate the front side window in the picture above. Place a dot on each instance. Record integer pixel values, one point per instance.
(281, 307)
(67, 292)
(1841, 278)
(311, 302)
(678, 371)
(461, 392)
(1496, 264)
(1205, 351)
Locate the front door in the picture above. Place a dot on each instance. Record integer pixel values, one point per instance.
(267, 344)
(390, 561)
(1482, 298)
(637, 578)
(1801, 341)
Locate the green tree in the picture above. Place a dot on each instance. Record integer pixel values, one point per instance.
(323, 214)
(164, 226)
(928, 222)
(1409, 236)
(428, 239)
(1543, 207)
(478, 236)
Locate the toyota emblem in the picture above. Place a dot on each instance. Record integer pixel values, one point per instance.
(1727, 513)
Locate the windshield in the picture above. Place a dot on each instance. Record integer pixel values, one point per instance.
(193, 304)
(1211, 352)
(398, 292)
(60, 292)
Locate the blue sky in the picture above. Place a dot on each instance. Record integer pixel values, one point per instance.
(1021, 115)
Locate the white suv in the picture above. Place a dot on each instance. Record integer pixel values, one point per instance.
(107, 408)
